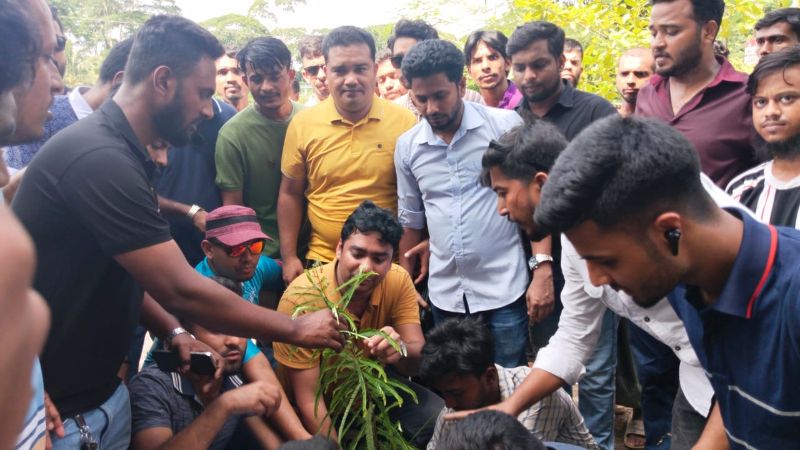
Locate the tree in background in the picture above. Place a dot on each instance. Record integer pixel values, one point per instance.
(234, 30)
(94, 26)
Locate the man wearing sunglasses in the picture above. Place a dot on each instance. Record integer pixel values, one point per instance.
(314, 67)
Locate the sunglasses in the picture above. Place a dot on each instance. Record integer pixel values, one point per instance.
(313, 71)
(255, 248)
(61, 43)
(397, 60)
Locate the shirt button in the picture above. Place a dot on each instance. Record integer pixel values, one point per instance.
(677, 348)
(647, 319)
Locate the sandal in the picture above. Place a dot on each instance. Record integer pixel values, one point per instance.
(634, 434)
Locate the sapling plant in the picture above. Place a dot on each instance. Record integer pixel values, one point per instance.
(358, 392)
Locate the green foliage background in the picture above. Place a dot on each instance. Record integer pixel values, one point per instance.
(605, 27)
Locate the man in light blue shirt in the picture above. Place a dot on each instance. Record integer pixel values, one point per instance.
(477, 264)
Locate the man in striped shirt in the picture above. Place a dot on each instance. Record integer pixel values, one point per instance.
(458, 361)
(772, 189)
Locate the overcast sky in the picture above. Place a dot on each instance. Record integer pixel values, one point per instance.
(316, 14)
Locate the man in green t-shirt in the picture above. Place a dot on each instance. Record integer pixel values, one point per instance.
(249, 146)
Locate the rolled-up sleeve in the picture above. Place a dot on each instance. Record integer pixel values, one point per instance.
(580, 324)
(410, 209)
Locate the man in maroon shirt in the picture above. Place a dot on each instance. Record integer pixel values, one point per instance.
(702, 96)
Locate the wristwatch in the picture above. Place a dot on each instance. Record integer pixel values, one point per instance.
(177, 331)
(193, 211)
(537, 259)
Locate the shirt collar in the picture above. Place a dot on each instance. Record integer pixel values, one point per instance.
(726, 73)
(470, 120)
(184, 386)
(328, 272)
(78, 103)
(332, 115)
(565, 99)
(117, 118)
(750, 269)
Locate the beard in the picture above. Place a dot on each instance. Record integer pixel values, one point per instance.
(451, 119)
(169, 122)
(685, 60)
(788, 148)
(544, 94)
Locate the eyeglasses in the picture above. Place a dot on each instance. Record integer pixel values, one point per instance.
(397, 60)
(61, 43)
(313, 71)
(255, 248)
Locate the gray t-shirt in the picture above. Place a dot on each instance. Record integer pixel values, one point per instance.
(167, 400)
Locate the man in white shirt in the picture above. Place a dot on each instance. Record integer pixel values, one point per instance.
(518, 170)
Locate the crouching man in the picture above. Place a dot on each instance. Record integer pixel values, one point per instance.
(386, 301)
(175, 411)
(458, 361)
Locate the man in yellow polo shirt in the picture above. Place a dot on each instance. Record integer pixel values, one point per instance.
(386, 301)
(339, 152)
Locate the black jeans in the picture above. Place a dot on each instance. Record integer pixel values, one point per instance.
(687, 424)
(417, 419)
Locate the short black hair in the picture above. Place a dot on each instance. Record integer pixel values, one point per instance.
(460, 346)
(414, 29)
(231, 51)
(115, 60)
(495, 40)
(171, 41)
(572, 44)
(296, 84)
(774, 62)
(703, 10)
(383, 55)
(523, 151)
(267, 54)
(622, 171)
(788, 15)
(489, 429)
(310, 45)
(345, 36)
(528, 33)
(369, 217)
(19, 45)
(56, 18)
(431, 57)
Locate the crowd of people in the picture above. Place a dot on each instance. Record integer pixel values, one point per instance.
(520, 239)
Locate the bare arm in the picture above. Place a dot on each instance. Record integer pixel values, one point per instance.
(178, 209)
(304, 383)
(714, 436)
(164, 273)
(284, 419)
(536, 386)
(262, 432)
(411, 237)
(540, 296)
(232, 198)
(290, 204)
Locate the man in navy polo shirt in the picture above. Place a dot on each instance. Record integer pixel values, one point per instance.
(627, 194)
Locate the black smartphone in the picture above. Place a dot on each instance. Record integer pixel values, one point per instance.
(202, 363)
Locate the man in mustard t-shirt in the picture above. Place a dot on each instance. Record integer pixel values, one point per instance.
(339, 152)
(386, 301)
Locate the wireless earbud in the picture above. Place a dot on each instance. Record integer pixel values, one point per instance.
(673, 237)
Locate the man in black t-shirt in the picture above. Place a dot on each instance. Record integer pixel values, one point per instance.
(88, 203)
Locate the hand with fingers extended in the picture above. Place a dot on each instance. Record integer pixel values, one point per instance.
(423, 252)
(318, 329)
(184, 344)
(380, 348)
(258, 398)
